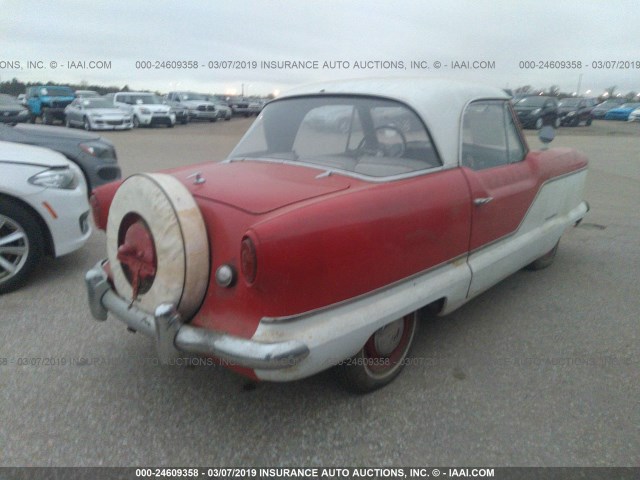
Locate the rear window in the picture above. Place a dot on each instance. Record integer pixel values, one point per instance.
(360, 135)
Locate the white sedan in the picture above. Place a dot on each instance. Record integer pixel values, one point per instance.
(634, 116)
(43, 210)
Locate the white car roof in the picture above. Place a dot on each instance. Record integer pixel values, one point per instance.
(30, 155)
(439, 102)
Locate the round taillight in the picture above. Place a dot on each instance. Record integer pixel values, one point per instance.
(248, 260)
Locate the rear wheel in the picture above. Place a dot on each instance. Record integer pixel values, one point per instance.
(382, 357)
(46, 117)
(21, 245)
(539, 123)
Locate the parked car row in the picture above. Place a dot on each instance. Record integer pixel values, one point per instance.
(89, 110)
(535, 111)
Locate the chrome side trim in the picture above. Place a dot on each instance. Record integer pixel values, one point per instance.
(340, 171)
(407, 282)
(171, 335)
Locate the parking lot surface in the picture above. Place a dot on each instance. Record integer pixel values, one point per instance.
(543, 369)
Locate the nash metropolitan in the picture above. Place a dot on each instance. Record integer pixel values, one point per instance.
(308, 247)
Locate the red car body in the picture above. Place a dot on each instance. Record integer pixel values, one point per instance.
(335, 256)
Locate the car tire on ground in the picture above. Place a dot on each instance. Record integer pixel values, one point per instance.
(67, 123)
(178, 242)
(539, 123)
(46, 117)
(86, 124)
(21, 245)
(136, 121)
(382, 358)
(588, 122)
(545, 260)
(557, 122)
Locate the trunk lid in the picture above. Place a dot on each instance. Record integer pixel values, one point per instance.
(258, 187)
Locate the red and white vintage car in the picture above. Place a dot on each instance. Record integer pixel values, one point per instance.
(346, 208)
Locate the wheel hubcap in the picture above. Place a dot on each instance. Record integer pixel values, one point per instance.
(14, 248)
(387, 339)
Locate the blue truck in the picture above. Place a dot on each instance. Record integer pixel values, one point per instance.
(48, 102)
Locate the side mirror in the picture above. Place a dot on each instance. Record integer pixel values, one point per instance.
(546, 136)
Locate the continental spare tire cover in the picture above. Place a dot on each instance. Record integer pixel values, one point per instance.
(179, 237)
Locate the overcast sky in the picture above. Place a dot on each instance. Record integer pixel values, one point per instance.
(505, 32)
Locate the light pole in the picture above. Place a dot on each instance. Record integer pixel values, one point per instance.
(579, 82)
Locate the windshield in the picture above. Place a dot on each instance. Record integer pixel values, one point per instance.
(97, 103)
(146, 99)
(361, 135)
(192, 96)
(569, 102)
(531, 102)
(56, 92)
(7, 100)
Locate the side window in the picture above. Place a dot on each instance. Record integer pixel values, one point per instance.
(489, 136)
(515, 148)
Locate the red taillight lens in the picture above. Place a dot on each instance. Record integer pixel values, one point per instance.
(248, 260)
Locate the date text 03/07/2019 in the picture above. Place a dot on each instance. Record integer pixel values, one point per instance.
(579, 65)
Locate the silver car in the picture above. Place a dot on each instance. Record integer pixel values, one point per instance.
(11, 111)
(97, 113)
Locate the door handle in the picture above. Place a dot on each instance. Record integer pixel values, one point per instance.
(482, 201)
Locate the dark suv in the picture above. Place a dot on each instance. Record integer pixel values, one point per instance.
(535, 111)
(48, 102)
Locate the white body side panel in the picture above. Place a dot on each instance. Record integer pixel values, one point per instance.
(552, 211)
(338, 332)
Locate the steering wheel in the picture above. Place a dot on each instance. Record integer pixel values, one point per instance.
(380, 149)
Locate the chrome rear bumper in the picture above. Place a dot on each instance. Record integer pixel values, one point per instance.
(171, 335)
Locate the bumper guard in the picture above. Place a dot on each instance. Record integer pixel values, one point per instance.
(171, 335)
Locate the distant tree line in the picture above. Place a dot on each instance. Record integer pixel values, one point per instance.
(15, 87)
(554, 91)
